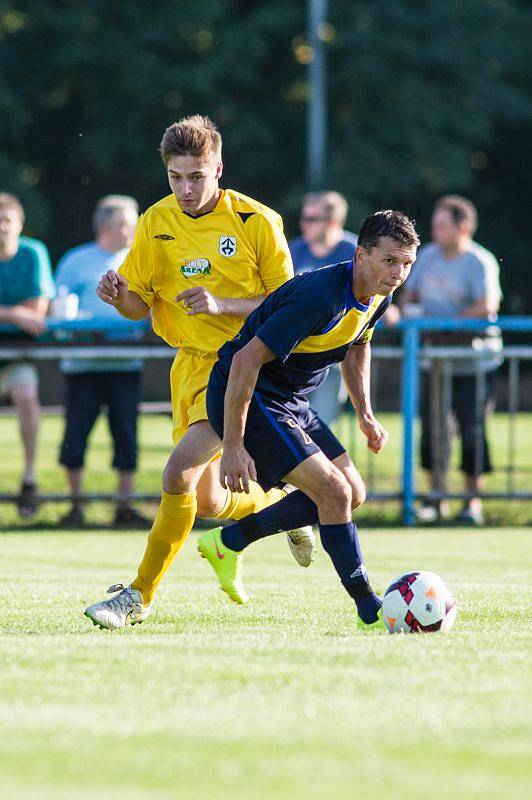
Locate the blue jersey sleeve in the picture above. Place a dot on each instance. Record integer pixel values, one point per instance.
(300, 316)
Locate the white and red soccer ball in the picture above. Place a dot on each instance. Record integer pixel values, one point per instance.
(418, 602)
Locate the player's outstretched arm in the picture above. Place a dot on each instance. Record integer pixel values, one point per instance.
(356, 371)
(113, 289)
(237, 467)
(198, 300)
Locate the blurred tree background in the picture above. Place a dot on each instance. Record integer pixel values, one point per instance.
(425, 98)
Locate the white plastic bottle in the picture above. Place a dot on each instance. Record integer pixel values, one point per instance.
(65, 304)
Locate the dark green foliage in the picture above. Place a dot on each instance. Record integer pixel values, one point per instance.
(425, 98)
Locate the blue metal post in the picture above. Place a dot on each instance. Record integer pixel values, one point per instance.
(410, 404)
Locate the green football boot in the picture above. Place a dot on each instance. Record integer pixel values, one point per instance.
(225, 562)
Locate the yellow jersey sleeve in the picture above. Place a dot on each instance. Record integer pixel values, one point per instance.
(273, 256)
(138, 265)
(366, 337)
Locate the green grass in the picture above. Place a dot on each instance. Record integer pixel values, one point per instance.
(382, 472)
(281, 699)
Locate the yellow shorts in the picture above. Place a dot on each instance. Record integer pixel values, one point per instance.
(189, 377)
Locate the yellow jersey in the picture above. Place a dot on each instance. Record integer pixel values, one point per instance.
(237, 250)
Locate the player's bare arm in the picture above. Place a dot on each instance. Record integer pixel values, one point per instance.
(236, 465)
(198, 300)
(113, 289)
(356, 371)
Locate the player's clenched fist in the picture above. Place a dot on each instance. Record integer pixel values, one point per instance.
(376, 435)
(199, 300)
(112, 288)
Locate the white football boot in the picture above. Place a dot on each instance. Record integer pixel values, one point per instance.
(123, 609)
(301, 541)
(302, 544)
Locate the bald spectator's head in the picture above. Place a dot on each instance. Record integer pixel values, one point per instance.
(114, 221)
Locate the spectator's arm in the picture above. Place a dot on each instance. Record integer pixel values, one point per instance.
(27, 315)
(39, 305)
(483, 307)
(407, 296)
(485, 287)
(391, 316)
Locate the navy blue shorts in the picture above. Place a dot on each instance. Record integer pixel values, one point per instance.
(85, 395)
(279, 434)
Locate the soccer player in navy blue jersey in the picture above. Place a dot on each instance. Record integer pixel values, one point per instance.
(257, 402)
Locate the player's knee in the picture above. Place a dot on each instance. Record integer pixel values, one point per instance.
(208, 506)
(358, 493)
(175, 479)
(335, 490)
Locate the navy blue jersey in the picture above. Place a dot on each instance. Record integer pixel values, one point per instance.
(309, 323)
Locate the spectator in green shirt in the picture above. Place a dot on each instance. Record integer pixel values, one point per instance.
(26, 287)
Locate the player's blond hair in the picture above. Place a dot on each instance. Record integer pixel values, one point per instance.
(194, 136)
(11, 202)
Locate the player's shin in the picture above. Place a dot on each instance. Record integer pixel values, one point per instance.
(173, 523)
(295, 510)
(343, 547)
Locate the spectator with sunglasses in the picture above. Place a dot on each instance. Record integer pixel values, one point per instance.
(324, 241)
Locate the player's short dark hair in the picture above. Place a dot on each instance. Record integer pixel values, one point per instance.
(393, 224)
(192, 136)
(461, 210)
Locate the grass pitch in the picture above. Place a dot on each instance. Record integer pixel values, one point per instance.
(283, 698)
(381, 473)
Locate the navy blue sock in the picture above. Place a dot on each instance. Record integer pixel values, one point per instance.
(342, 544)
(293, 511)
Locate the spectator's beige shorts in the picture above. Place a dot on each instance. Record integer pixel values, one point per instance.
(16, 375)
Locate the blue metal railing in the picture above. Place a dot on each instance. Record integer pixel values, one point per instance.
(89, 325)
(411, 330)
(411, 338)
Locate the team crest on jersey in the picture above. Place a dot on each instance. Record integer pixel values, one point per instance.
(195, 266)
(227, 246)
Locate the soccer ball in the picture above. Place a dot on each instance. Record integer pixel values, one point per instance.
(418, 602)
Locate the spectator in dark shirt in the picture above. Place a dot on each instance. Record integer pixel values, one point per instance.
(324, 241)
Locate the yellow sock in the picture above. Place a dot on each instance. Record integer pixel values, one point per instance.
(240, 504)
(171, 526)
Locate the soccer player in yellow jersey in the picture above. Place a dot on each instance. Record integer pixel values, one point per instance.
(203, 258)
